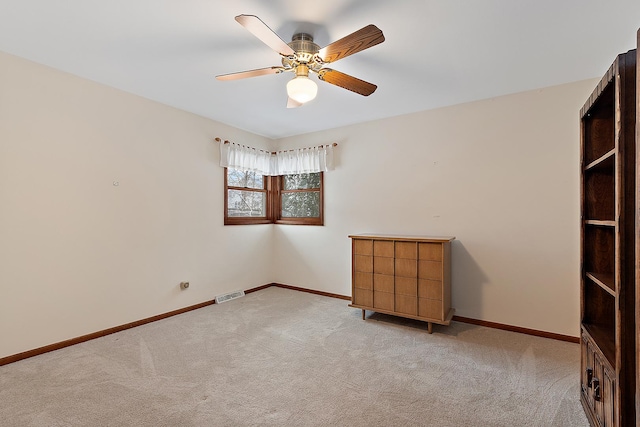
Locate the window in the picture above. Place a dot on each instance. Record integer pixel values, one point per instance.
(246, 198)
(300, 199)
(251, 198)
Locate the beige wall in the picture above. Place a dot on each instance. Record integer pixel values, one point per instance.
(80, 255)
(502, 175)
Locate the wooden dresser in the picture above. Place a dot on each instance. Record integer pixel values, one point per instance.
(406, 276)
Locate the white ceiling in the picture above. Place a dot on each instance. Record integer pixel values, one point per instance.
(436, 53)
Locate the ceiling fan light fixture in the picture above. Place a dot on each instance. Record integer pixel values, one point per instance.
(302, 89)
(302, 55)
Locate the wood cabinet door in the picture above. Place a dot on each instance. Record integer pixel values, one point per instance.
(597, 387)
(584, 377)
(590, 366)
(608, 399)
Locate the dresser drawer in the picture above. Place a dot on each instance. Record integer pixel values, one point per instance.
(430, 308)
(363, 297)
(363, 247)
(407, 286)
(363, 280)
(430, 270)
(383, 283)
(363, 263)
(431, 289)
(383, 265)
(383, 300)
(406, 267)
(406, 304)
(407, 250)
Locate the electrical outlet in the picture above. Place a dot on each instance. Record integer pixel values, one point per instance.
(184, 285)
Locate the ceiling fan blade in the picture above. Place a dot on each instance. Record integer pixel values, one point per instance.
(356, 42)
(265, 34)
(346, 81)
(292, 103)
(250, 73)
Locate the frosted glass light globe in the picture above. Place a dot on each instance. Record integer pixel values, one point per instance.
(302, 89)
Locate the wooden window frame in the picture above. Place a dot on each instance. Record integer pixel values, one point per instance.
(279, 186)
(273, 188)
(244, 220)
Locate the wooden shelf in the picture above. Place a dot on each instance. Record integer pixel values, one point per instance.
(604, 280)
(605, 340)
(606, 161)
(600, 223)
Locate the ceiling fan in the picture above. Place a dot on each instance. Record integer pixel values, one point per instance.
(302, 55)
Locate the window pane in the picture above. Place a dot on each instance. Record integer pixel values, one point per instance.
(247, 204)
(302, 181)
(301, 205)
(236, 178)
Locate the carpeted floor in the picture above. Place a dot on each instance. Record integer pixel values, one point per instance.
(279, 357)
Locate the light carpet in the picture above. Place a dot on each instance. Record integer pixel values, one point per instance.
(279, 357)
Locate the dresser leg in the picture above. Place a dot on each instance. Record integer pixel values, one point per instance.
(430, 327)
(363, 312)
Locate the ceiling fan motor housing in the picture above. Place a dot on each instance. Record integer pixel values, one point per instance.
(306, 51)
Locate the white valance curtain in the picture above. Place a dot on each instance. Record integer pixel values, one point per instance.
(302, 160)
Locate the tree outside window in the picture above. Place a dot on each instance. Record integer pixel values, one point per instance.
(301, 198)
(246, 195)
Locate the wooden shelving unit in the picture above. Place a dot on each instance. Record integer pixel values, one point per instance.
(638, 234)
(608, 175)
